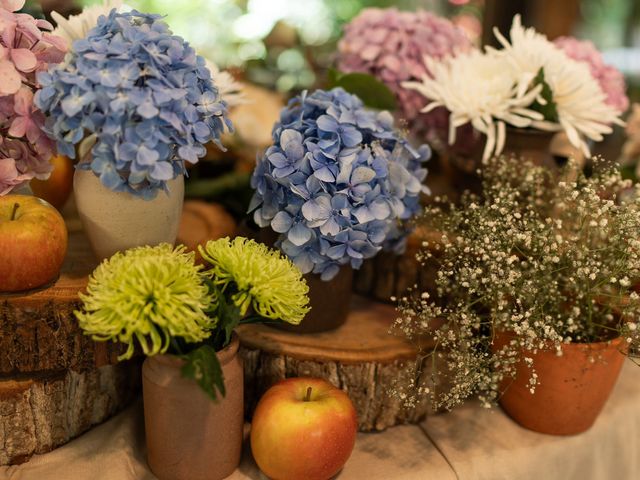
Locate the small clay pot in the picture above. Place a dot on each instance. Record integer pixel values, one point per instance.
(572, 388)
(189, 436)
(329, 303)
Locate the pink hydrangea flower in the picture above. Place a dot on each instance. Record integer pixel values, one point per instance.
(391, 45)
(26, 48)
(610, 78)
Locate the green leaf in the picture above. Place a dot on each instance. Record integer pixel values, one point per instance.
(203, 367)
(372, 92)
(229, 318)
(217, 187)
(549, 110)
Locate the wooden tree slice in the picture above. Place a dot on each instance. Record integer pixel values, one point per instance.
(360, 357)
(38, 331)
(40, 413)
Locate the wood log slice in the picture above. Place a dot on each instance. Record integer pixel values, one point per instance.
(41, 412)
(360, 357)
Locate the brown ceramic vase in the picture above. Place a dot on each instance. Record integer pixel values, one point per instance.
(329, 303)
(572, 389)
(533, 145)
(189, 436)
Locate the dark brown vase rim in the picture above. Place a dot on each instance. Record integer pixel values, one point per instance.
(601, 345)
(224, 356)
(530, 131)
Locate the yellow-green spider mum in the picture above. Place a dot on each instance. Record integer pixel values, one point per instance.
(264, 278)
(148, 294)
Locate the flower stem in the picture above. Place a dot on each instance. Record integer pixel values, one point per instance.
(14, 211)
(307, 397)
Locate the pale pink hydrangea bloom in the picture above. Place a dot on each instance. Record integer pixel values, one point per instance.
(391, 45)
(26, 47)
(610, 78)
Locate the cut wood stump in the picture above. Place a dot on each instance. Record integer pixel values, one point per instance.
(360, 357)
(389, 275)
(43, 411)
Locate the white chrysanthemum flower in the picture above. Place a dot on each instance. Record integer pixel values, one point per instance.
(77, 26)
(483, 90)
(580, 102)
(229, 88)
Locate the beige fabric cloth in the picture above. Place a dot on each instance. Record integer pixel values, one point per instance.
(488, 445)
(472, 443)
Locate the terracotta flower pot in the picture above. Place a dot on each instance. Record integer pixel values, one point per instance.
(572, 389)
(189, 436)
(329, 303)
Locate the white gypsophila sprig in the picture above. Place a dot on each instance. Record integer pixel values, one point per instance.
(483, 90)
(579, 100)
(548, 262)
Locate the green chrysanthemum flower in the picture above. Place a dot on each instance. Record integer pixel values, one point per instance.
(262, 278)
(148, 294)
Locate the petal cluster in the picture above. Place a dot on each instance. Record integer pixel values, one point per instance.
(337, 183)
(143, 93)
(26, 47)
(77, 27)
(470, 89)
(611, 79)
(391, 45)
(488, 103)
(147, 296)
(583, 111)
(257, 277)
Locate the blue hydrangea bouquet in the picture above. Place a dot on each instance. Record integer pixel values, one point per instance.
(142, 94)
(338, 184)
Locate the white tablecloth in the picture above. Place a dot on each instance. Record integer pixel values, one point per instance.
(469, 443)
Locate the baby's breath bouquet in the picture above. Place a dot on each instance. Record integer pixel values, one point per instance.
(543, 261)
(159, 300)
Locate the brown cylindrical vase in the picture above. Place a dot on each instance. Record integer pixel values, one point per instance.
(189, 436)
(572, 388)
(329, 303)
(530, 144)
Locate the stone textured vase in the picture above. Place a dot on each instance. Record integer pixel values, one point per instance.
(329, 303)
(573, 387)
(189, 436)
(117, 221)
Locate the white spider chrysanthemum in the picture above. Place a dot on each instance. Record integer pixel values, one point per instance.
(579, 100)
(228, 87)
(483, 90)
(77, 26)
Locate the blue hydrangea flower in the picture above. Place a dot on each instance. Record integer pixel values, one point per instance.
(338, 183)
(143, 92)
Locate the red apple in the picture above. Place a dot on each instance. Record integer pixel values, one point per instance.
(58, 187)
(33, 242)
(303, 428)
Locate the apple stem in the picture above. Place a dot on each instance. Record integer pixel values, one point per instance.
(14, 211)
(307, 397)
